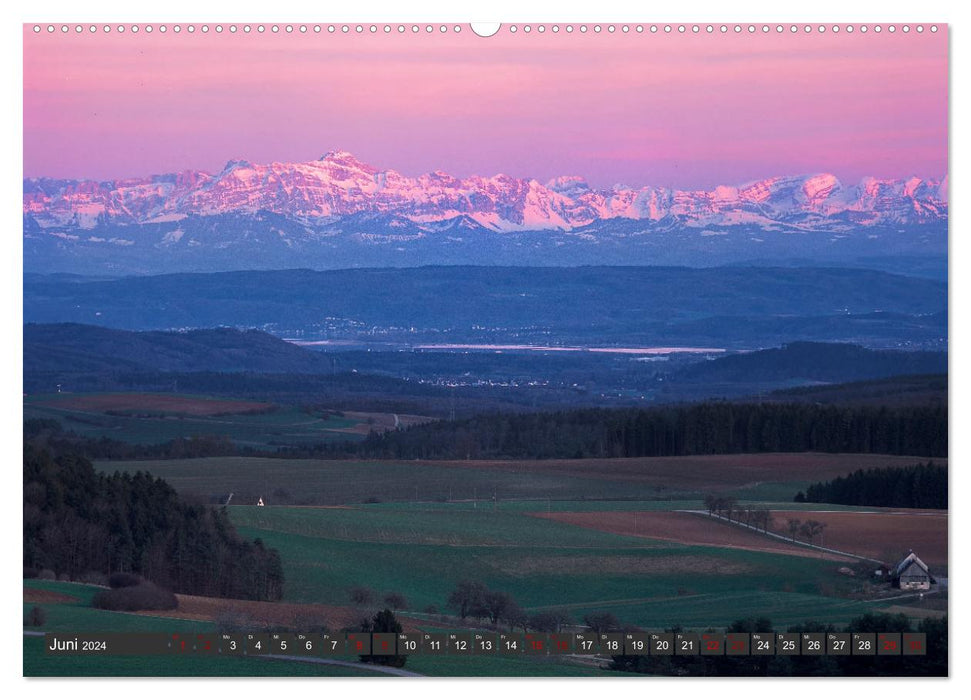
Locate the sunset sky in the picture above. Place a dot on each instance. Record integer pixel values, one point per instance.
(677, 110)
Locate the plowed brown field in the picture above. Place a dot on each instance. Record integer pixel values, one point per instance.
(685, 528)
(883, 534)
(36, 595)
(155, 403)
(697, 473)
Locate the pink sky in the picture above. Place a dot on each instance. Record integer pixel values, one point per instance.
(676, 110)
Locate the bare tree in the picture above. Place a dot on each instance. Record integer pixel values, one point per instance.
(729, 504)
(549, 620)
(395, 601)
(361, 595)
(810, 529)
(822, 526)
(793, 525)
(468, 598)
(516, 617)
(496, 603)
(762, 518)
(601, 622)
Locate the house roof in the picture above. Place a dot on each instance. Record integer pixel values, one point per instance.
(907, 561)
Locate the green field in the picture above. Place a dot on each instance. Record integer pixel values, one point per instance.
(423, 553)
(423, 550)
(419, 528)
(765, 477)
(287, 425)
(335, 482)
(80, 617)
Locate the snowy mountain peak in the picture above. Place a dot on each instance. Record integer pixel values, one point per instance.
(236, 163)
(337, 154)
(340, 185)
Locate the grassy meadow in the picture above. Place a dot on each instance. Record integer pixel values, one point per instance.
(423, 553)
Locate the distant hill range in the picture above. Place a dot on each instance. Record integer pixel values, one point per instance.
(886, 391)
(76, 348)
(724, 307)
(338, 211)
(806, 363)
(96, 358)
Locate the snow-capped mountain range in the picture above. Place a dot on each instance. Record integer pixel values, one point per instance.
(338, 199)
(338, 185)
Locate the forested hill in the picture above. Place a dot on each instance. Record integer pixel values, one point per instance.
(76, 347)
(816, 362)
(697, 429)
(887, 391)
(78, 521)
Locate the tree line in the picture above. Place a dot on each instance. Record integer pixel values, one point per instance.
(694, 429)
(919, 486)
(758, 517)
(78, 521)
(691, 429)
(475, 600)
(50, 434)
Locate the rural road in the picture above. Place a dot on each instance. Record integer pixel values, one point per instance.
(783, 538)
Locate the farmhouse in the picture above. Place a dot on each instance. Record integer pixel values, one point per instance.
(911, 574)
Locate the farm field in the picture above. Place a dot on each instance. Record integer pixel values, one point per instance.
(64, 603)
(543, 564)
(380, 422)
(880, 533)
(153, 419)
(152, 403)
(268, 614)
(555, 535)
(685, 528)
(422, 551)
(73, 613)
(761, 477)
